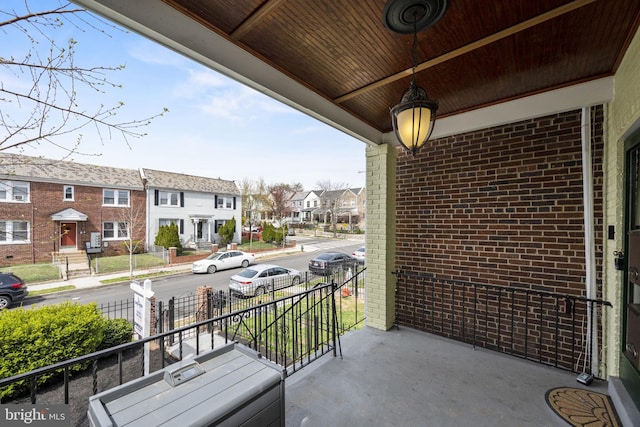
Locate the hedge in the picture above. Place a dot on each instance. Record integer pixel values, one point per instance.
(44, 336)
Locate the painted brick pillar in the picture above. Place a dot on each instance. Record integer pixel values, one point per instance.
(203, 296)
(152, 310)
(380, 237)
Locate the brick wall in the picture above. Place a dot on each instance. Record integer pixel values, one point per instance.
(500, 206)
(46, 199)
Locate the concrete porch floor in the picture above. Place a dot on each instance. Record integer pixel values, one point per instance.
(404, 377)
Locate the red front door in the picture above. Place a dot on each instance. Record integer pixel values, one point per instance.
(68, 234)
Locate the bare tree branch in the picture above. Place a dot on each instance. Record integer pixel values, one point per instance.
(46, 102)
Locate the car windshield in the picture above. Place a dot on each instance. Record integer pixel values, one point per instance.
(325, 256)
(248, 272)
(215, 256)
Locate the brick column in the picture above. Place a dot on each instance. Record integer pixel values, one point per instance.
(203, 296)
(152, 316)
(381, 235)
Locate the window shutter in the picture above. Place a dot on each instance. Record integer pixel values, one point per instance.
(156, 195)
(182, 226)
(234, 204)
(182, 199)
(215, 205)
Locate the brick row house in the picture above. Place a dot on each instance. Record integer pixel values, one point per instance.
(48, 207)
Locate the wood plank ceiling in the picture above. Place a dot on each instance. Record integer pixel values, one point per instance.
(479, 54)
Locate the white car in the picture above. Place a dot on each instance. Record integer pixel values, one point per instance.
(359, 254)
(223, 261)
(260, 278)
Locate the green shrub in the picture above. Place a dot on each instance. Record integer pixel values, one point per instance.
(169, 237)
(45, 336)
(116, 332)
(226, 232)
(272, 234)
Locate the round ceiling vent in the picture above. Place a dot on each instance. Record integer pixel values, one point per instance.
(407, 16)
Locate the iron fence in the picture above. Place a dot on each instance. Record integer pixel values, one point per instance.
(292, 331)
(558, 330)
(206, 302)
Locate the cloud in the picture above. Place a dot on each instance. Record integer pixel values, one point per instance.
(152, 53)
(239, 103)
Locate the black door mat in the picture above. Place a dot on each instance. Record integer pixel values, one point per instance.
(581, 407)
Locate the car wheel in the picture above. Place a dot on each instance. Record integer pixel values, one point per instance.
(259, 291)
(295, 281)
(211, 269)
(245, 263)
(4, 302)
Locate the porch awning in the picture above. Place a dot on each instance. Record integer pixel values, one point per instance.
(69, 214)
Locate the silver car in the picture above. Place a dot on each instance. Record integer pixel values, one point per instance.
(260, 278)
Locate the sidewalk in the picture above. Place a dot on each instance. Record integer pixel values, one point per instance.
(96, 280)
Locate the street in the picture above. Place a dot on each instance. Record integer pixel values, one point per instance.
(185, 283)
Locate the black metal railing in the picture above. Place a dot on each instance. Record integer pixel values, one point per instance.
(559, 330)
(291, 331)
(123, 309)
(207, 302)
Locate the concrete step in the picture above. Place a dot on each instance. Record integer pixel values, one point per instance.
(72, 257)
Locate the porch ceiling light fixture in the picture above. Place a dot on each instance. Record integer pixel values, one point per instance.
(414, 117)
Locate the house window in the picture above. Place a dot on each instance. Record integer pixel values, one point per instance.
(14, 232)
(115, 197)
(168, 221)
(11, 191)
(219, 223)
(113, 230)
(68, 193)
(224, 202)
(166, 198)
(162, 222)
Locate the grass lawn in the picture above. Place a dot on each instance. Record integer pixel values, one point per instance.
(34, 273)
(113, 264)
(256, 245)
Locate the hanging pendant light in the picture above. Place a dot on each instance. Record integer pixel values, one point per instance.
(414, 117)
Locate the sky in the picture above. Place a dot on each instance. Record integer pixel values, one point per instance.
(215, 127)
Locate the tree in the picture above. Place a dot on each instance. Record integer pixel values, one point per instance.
(226, 232)
(44, 101)
(279, 194)
(169, 237)
(331, 199)
(254, 195)
(134, 218)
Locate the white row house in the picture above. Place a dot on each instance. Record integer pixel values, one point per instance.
(199, 206)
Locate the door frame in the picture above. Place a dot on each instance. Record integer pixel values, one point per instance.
(629, 375)
(72, 233)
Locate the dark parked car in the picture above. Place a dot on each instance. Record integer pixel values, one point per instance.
(12, 289)
(330, 262)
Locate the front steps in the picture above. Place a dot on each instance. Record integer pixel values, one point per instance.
(78, 265)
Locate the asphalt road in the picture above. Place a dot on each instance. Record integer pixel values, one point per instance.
(180, 284)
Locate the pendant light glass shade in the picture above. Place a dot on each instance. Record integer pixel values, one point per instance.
(414, 118)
